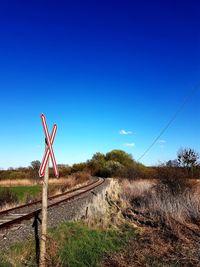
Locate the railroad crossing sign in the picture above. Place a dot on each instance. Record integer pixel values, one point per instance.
(44, 171)
(49, 149)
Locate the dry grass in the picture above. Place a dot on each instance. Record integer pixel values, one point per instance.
(17, 182)
(136, 188)
(105, 209)
(167, 212)
(75, 178)
(72, 181)
(10, 206)
(166, 201)
(31, 182)
(153, 248)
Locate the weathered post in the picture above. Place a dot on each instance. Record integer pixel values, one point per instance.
(44, 172)
(44, 215)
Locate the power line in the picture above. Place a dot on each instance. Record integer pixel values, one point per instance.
(187, 99)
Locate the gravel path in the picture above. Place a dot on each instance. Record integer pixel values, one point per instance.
(70, 210)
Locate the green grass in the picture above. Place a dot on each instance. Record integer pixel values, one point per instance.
(85, 247)
(23, 191)
(72, 245)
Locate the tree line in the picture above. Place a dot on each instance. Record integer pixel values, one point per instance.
(118, 163)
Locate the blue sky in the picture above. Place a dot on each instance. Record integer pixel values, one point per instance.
(96, 68)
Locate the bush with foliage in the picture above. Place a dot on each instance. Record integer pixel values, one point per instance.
(7, 196)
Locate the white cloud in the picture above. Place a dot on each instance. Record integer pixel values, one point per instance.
(162, 141)
(129, 145)
(123, 132)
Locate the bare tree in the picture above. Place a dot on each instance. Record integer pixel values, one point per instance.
(188, 158)
(172, 163)
(35, 166)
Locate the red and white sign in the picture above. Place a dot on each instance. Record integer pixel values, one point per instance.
(49, 149)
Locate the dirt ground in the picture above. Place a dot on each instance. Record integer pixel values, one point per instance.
(160, 247)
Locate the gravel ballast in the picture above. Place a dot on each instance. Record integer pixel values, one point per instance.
(71, 210)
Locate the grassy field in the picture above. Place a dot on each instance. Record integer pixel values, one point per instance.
(22, 192)
(13, 196)
(71, 244)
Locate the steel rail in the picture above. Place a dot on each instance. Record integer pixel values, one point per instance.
(30, 215)
(4, 212)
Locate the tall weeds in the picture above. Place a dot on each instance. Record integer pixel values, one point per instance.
(165, 199)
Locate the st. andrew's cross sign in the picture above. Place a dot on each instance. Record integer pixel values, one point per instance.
(44, 171)
(49, 148)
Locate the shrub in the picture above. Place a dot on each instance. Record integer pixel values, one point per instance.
(79, 167)
(81, 177)
(7, 196)
(175, 173)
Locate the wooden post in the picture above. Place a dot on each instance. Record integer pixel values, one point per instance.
(44, 217)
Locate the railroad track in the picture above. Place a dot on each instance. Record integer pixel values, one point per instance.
(21, 213)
